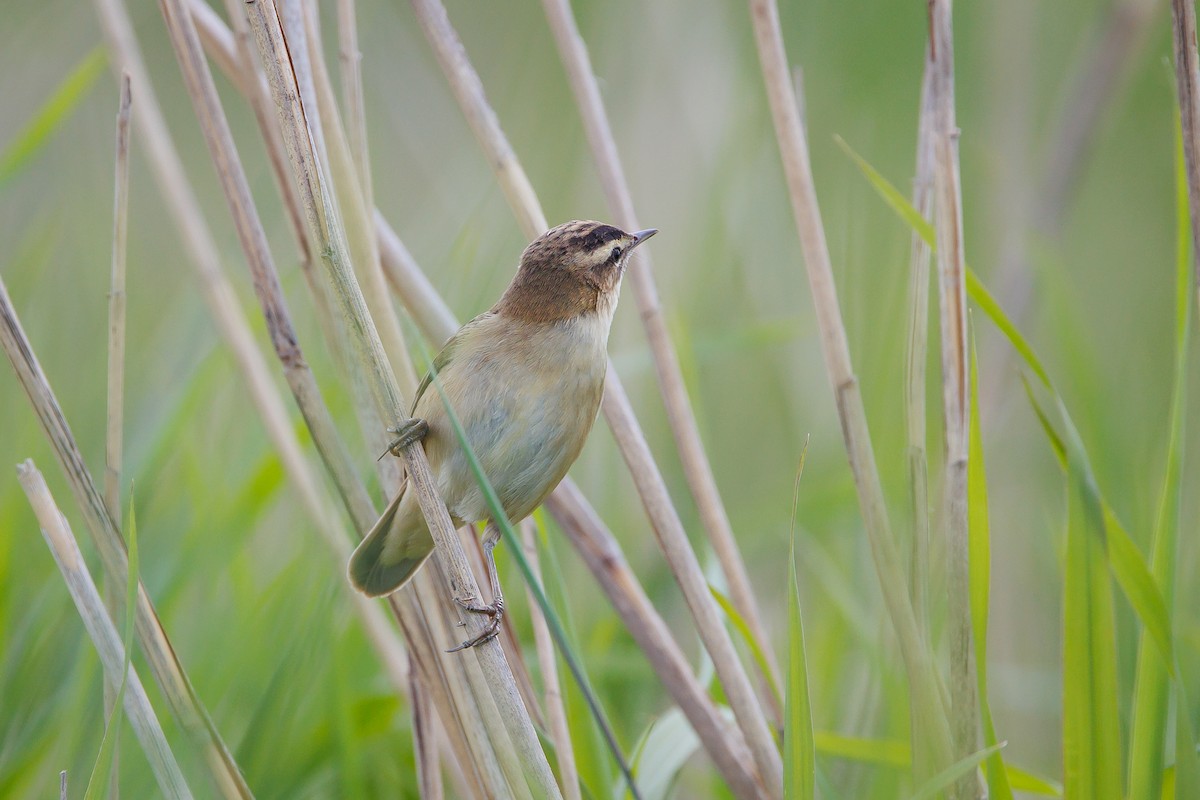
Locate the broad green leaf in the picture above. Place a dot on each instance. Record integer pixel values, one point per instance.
(1027, 782)
(97, 785)
(36, 133)
(743, 629)
(979, 542)
(1091, 727)
(894, 753)
(799, 756)
(952, 773)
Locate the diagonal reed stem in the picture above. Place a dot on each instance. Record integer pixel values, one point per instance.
(103, 633)
(696, 466)
(926, 701)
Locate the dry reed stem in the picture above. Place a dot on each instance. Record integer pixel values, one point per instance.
(672, 538)
(926, 700)
(547, 657)
(956, 396)
(115, 396)
(696, 466)
(350, 61)
(1187, 84)
(915, 358)
(596, 543)
(103, 633)
(164, 664)
(323, 227)
(429, 775)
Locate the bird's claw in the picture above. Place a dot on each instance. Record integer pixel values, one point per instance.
(410, 432)
(494, 611)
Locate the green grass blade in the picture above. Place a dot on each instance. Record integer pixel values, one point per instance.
(668, 743)
(979, 541)
(743, 630)
(98, 781)
(1027, 782)
(932, 787)
(799, 748)
(1091, 727)
(514, 548)
(1151, 686)
(893, 753)
(36, 133)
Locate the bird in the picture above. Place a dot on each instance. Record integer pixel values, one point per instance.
(525, 380)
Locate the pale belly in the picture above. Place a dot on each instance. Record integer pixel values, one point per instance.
(526, 418)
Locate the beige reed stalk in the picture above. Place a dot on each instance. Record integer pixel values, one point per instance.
(104, 635)
(916, 354)
(115, 396)
(1187, 85)
(323, 227)
(595, 543)
(925, 697)
(956, 395)
(468, 90)
(160, 655)
(696, 467)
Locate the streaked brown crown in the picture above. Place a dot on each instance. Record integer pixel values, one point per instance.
(566, 271)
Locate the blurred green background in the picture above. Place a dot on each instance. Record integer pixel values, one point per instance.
(248, 593)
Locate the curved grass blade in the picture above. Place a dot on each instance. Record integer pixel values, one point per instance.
(667, 744)
(979, 539)
(514, 548)
(36, 133)
(743, 629)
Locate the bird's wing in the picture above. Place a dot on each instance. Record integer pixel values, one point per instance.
(446, 355)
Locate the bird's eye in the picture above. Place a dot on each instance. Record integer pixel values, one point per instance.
(616, 253)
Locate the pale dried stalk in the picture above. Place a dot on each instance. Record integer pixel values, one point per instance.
(596, 543)
(160, 655)
(956, 396)
(372, 360)
(104, 635)
(926, 700)
(696, 467)
(560, 734)
(350, 58)
(1187, 85)
(429, 775)
(916, 354)
(114, 434)
(672, 538)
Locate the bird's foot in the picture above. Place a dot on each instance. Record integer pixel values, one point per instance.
(414, 430)
(494, 612)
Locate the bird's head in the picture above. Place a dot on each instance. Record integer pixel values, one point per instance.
(572, 269)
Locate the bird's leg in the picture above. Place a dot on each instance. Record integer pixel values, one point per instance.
(414, 430)
(495, 609)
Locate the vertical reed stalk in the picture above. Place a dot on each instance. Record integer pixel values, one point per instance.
(114, 433)
(1187, 85)
(915, 358)
(925, 698)
(164, 663)
(103, 633)
(696, 467)
(324, 228)
(956, 394)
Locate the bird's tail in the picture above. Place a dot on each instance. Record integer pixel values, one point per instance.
(392, 550)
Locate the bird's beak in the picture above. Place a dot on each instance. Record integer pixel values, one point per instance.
(642, 236)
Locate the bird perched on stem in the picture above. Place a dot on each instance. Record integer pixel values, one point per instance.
(525, 380)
